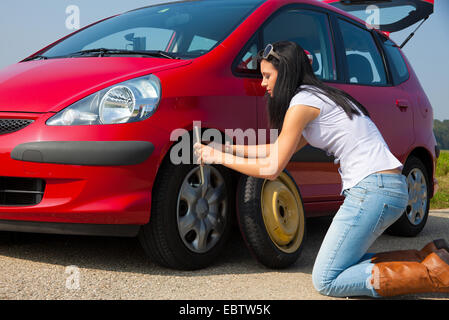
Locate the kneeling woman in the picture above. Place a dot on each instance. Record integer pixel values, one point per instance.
(305, 110)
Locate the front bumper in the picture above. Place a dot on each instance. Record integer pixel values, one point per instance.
(99, 175)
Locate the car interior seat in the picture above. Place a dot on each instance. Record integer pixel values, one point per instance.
(359, 68)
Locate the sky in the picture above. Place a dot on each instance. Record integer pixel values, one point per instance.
(27, 26)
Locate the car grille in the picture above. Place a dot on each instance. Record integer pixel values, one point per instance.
(21, 191)
(12, 125)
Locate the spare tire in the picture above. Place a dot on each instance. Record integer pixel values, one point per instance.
(271, 219)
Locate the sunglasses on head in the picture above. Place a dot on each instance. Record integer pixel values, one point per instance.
(269, 51)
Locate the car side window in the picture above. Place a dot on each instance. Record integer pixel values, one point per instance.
(396, 60)
(365, 65)
(311, 31)
(247, 63)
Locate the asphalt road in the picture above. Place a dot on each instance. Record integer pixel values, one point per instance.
(35, 266)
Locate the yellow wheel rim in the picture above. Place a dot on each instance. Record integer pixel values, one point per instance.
(283, 213)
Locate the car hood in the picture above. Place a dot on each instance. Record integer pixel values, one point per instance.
(53, 84)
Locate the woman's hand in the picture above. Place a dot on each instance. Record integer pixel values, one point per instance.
(207, 155)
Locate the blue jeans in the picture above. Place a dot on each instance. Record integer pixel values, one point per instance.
(342, 267)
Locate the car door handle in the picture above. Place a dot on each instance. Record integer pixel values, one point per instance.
(402, 104)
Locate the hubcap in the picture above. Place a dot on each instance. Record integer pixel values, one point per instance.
(283, 214)
(201, 209)
(417, 191)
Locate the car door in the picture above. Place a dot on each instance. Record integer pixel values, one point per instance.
(369, 80)
(314, 171)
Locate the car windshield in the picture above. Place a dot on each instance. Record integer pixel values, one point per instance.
(185, 29)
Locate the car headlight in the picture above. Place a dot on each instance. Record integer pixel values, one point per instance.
(130, 101)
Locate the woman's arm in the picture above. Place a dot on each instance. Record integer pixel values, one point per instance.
(303, 142)
(244, 151)
(251, 151)
(281, 151)
(261, 150)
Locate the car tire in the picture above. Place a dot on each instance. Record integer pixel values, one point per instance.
(273, 234)
(187, 231)
(411, 223)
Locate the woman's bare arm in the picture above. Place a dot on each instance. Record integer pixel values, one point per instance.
(303, 142)
(244, 151)
(282, 149)
(251, 151)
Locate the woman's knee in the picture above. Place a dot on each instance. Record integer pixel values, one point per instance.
(321, 282)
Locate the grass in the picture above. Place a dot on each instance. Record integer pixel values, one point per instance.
(441, 198)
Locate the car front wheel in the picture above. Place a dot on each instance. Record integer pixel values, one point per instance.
(190, 222)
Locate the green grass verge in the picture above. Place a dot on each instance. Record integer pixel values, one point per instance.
(441, 198)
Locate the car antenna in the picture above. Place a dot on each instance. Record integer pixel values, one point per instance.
(413, 33)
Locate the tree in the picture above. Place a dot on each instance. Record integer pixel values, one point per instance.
(441, 131)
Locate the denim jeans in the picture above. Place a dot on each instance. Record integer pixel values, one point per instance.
(342, 267)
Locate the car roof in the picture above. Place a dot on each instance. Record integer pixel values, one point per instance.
(255, 2)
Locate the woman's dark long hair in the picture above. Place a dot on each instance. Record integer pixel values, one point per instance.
(294, 70)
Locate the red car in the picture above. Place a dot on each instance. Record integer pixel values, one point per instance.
(88, 124)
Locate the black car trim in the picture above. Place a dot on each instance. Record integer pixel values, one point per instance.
(340, 57)
(383, 54)
(87, 153)
(396, 80)
(111, 230)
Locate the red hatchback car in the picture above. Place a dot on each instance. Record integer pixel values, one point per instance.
(88, 124)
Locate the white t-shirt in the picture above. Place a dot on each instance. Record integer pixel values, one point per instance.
(357, 144)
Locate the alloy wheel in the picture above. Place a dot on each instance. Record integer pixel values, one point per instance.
(417, 190)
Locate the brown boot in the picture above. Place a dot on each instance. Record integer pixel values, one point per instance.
(434, 246)
(411, 255)
(405, 277)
